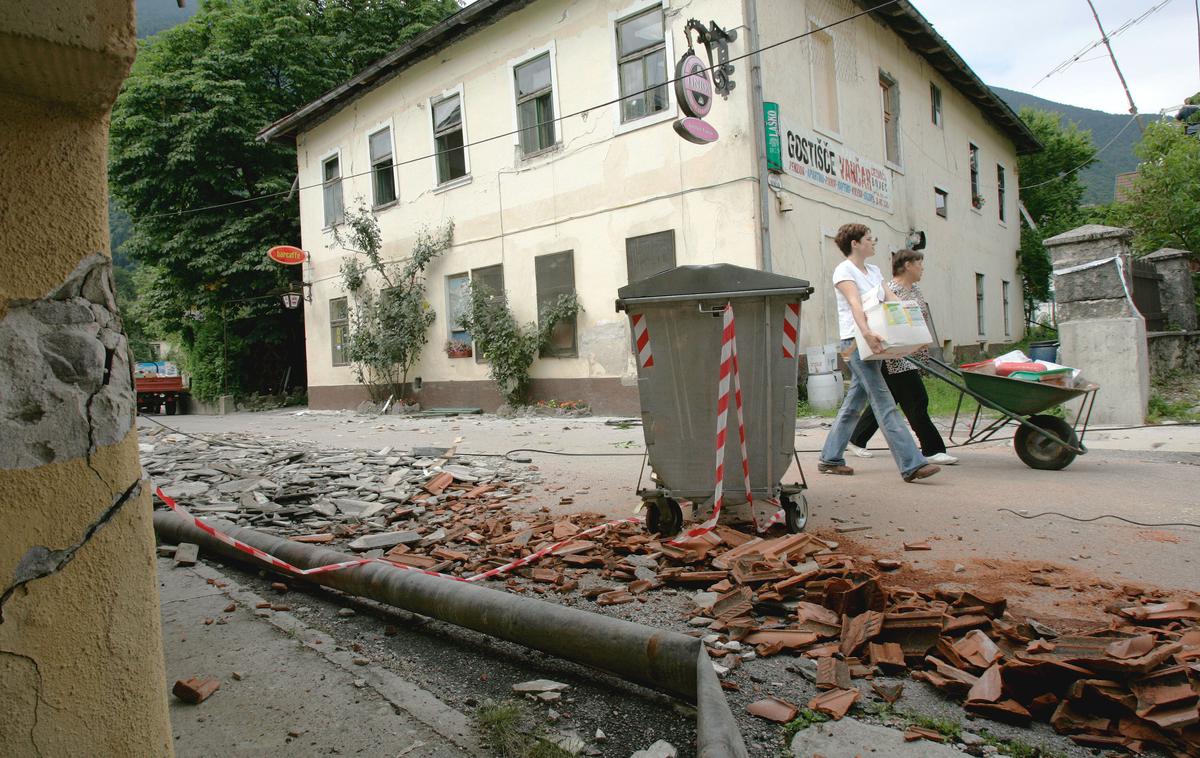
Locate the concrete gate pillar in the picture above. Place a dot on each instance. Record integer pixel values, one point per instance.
(1100, 331)
(81, 666)
(1177, 293)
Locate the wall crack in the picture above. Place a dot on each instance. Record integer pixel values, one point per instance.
(40, 562)
(37, 695)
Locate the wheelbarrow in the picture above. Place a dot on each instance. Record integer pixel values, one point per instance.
(1042, 440)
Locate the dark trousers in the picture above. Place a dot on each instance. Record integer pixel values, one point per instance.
(909, 391)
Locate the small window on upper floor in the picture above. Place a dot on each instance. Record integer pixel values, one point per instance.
(824, 81)
(448, 139)
(383, 174)
(331, 179)
(642, 64)
(973, 163)
(935, 104)
(535, 104)
(890, 92)
(1001, 192)
(940, 201)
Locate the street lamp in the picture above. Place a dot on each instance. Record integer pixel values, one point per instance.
(291, 300)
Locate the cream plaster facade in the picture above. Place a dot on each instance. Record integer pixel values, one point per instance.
(606, 181)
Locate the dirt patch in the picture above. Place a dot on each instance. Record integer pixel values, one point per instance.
(1156, 535)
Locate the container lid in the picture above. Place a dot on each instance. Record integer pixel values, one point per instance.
(719, 280)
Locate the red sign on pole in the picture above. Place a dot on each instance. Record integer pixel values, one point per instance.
(287, 255)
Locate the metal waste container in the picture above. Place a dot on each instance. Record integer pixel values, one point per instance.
(677, 320)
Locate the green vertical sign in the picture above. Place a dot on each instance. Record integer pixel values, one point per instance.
(774, 139)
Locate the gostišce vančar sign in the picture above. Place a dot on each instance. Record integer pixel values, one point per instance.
(807, 155)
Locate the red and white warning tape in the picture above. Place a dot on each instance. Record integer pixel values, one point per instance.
(641, 338)
(289, 568)
(791, 329)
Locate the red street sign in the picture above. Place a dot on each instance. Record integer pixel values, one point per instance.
(287, 255)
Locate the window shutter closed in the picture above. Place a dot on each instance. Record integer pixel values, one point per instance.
(555, 277)
(649, 254)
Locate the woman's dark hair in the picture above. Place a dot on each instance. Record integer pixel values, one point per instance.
(850, 233)
(901, 258)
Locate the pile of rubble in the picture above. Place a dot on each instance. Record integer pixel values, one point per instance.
(1132, 684)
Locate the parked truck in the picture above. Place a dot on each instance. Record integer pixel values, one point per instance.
(160, 387)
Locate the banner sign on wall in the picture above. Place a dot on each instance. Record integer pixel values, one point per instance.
(807, 155)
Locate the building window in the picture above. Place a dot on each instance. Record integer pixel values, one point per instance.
(1000, 192)
(824, 81)
(458, 300)
(556, 277)
(490, 279)
(935, 104)
(649, 254)
(331, 178)
(383, 176)
(1004, 295)
(535, 106)
(940, 200)
(976, 198)
(448, 139)
(890, 92)
(979, 304)
(642, 64)
(339, 329)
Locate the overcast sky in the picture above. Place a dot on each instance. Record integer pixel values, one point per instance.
(1015, 43)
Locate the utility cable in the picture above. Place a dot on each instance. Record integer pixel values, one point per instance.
(1076, 58)
(1094, 518)
(1065, 174)
(580, 112)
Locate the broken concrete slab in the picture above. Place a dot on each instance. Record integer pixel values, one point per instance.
(186, 554)
(384, 540)
(540, 685)
(851, 738)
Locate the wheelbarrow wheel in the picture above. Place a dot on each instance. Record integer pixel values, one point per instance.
(1036, 451)
(795, 513)
(664, 517)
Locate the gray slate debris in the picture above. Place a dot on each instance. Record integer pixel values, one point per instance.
(540, 685)
(660, 749)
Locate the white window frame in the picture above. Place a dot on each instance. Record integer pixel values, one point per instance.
(462, 104)
(513, 64)
(813, 24)
(941, 191)
(449, 312)
(1005, 288)
(333, 153)
(981, 303)
(938, 114)
(385, 124)
(671, 111)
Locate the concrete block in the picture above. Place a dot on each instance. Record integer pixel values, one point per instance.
(186, 554)
(1113, 354)
(1097, 283)
(850, 738)
(1091, 310)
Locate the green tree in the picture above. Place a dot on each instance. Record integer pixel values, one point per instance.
(1051, 193)
(1163, 206)
(184, 137)
(391, 313)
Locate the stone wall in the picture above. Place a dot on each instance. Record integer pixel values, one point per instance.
(1174, 351)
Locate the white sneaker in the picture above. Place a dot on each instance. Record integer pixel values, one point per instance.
(861, 452)
(943, 459)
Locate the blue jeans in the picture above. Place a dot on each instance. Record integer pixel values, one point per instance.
(866, 382)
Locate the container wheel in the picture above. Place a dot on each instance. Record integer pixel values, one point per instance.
(172, 406)
(1035, 451)
(795, 513)
(664, 516)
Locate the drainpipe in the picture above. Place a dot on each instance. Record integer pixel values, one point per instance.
(750, 12)
(669, 662)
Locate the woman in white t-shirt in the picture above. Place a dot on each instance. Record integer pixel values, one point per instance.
(854, 281)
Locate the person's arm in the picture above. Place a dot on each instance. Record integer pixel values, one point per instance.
(850, 292)
(888, 294)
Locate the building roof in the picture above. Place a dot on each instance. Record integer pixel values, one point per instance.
(901, 17)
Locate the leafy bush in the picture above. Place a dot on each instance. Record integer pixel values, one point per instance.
(507, 346)
(391, 320)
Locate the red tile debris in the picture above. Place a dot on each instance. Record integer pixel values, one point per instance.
(195, 690)
(773, 709)
(834, 703)
(914, 733)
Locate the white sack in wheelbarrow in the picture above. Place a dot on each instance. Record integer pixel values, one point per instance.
(901, 325)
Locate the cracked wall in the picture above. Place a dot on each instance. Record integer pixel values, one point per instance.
(81, 669)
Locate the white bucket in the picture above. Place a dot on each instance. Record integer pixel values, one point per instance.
(825, 390)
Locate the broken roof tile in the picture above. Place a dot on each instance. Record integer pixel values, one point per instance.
(773, 709)
(834, 703)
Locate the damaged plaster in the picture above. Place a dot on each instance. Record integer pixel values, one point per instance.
(66, 382)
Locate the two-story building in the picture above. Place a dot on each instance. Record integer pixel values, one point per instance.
(544, 129)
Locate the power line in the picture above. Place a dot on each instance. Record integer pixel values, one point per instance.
(1129, 24)
(1090, 161)
(580, 112)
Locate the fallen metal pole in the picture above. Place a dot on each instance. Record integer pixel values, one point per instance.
(669, 662)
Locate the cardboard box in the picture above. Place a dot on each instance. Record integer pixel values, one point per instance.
(901, 325)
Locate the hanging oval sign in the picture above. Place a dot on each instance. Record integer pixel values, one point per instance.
(695, 130)
(287, 255)
(692, 86)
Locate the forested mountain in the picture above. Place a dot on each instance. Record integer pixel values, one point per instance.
(1118, 158)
